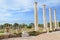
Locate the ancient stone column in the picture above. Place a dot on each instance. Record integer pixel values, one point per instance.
(55, 22)
(44, 17)
(35, 16)
(50, 15)
(47, 29)
(7, 29)
(58, 25)
(7, 32)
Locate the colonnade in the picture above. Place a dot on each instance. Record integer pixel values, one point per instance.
(44, 18)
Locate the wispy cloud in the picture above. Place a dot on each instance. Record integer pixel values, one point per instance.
(10, 8)
(49, 3)
(25, 4)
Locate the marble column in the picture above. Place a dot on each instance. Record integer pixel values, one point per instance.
(7, 29)
(47, 29)
(35, 16)
(50, 15)
(44, 18)
(55, 22)
(7, 32)
(58, 25)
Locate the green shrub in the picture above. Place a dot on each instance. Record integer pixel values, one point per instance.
(33, 33)
(17, 34)
(1, 31)
(29, 27)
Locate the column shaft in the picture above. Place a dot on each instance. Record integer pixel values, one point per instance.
(50, 14)
(44, 17)
(55, 19)
(35, 16)
(57, 25)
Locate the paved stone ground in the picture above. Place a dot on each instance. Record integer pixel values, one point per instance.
(45, 36)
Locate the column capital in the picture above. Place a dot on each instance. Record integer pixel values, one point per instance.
(55, 10)
(50, 8)
(43, 5)
(35, 2)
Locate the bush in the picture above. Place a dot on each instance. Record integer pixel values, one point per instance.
(33, 33)
(29, 27)
(1, 31)
(17, 34)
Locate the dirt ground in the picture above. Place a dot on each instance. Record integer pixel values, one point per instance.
(45, 36)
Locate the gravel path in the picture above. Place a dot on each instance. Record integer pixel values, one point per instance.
(45, 36)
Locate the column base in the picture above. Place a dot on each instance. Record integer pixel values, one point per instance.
(50, 29)
(36, 28)
(44, 30)
(55, 29)
(47, 30)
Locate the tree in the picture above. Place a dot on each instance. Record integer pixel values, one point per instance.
(23, 25)
(40, 25)
(30, 25)
(7, 25)
(48, 24)
(1, 27)
(15, 25)
(59, 24)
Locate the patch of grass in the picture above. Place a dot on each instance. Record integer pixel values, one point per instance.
(1, 34)
(30, 31)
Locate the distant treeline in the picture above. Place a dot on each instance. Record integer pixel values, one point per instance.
(16, 25)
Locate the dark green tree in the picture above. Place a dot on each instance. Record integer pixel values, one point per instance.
(15, 25)
(30, 25)
(7, 25)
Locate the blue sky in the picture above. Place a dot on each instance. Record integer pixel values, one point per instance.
(22, 11)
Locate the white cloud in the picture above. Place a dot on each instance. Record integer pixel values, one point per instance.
(25, 4)
(49, 3)
(4, 16)
(21, 6)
